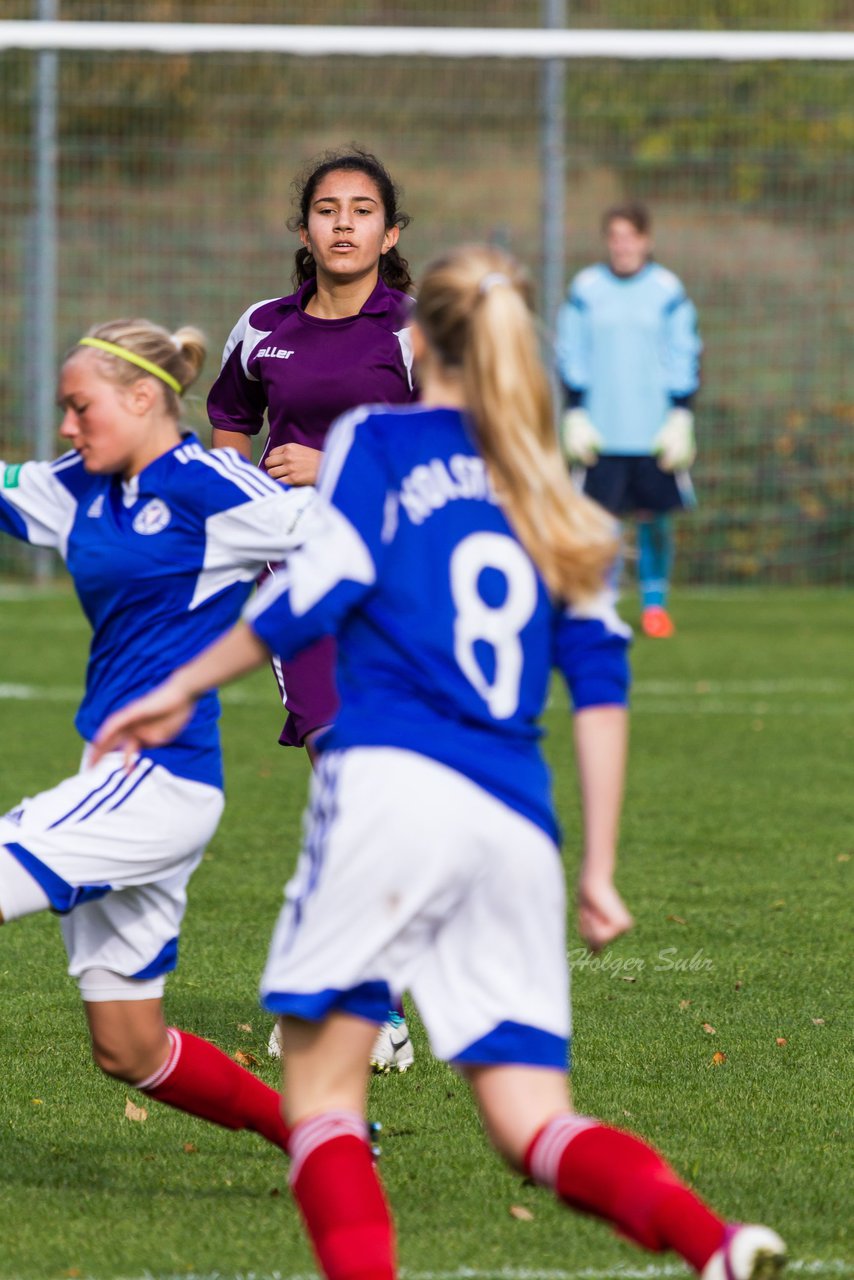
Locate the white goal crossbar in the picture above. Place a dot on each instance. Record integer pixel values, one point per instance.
(432, 42)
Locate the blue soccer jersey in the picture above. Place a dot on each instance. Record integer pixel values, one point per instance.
(446, 633)
(162, 564)
(628, 350)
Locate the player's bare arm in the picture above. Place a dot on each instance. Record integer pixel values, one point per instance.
(601, 739)
(232, 440)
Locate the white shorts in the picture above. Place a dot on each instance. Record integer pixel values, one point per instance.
(413, 878)
(110, 852)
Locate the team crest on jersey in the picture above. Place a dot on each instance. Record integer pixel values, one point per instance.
(96, 507)
(153, 517)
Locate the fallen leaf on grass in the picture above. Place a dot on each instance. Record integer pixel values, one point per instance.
(677, 919)
(246, 1059)
(843, 857)
(190, 1148)
(781, 1040)
(628, 977)
(817, 1022)
(519, 1211)
(718, 1058)
(132, 1112)
(37, 1102)
(738, 986)
(708, 1028)
(683, 1004)
(244, 1026)
(778, 903)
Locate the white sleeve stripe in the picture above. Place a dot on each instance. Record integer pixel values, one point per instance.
(246, 482)
(42, 503)
(338, 445)
(241, 331)
(242, 469)
(602, 608)
(404, 338)
(67, 460)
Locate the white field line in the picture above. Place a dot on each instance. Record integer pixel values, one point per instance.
(25, 593)
(649, 697)
(12, 620)
(837, 1267)
(709, 707)
(74, 693)
(703, 687)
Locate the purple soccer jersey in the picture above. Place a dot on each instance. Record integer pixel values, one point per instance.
(305, 372)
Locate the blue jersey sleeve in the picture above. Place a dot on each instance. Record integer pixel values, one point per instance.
(35, 504)
(572, 344)
(591, 651)
(682, 350)
(343, 539)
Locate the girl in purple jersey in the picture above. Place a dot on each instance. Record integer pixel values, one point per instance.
(474, 914)
(340, 340)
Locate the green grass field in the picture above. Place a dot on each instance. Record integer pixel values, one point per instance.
(736, 860)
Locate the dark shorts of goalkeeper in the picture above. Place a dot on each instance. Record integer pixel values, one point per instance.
(625, 484)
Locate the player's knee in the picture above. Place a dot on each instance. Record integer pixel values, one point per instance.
(112, 1061)
(130, 1062)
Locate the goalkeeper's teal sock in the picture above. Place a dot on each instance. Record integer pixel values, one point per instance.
(655, 560)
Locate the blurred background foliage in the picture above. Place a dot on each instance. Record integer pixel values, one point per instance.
(175, 185)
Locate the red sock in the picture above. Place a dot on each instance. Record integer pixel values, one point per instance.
(339, 1194)
(616, 1176)
(199, 1078)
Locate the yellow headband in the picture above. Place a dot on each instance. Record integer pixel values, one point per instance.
(122, 352)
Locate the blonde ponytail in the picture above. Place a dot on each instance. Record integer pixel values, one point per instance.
(473, 308)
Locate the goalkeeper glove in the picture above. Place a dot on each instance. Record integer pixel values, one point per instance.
(581, 441)
(674, 444)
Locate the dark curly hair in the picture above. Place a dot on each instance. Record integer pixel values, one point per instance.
(394, 269)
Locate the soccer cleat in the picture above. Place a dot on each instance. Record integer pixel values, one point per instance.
(274, 1044)
(657, 622)
(747, 1253)
(392, 1049)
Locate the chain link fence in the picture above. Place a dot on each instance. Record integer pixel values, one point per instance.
(174, 185)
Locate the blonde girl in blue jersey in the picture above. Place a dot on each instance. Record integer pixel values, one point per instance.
(453, 560)
(162, 541)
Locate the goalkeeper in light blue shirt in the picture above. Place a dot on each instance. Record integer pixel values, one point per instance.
(628, 355)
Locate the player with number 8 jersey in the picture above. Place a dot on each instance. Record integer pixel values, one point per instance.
(450, 649)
